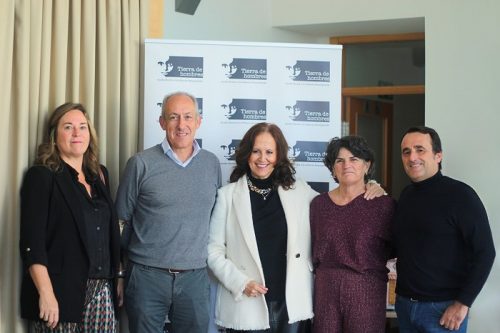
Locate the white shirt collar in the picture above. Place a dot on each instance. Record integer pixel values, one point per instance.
(167, 149)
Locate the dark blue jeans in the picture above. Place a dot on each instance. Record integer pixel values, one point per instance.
(423, 317)
(153, 293)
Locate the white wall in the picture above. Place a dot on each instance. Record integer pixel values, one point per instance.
(298, 12)
(462, 79)
(462, 85)
(463, 82)
(229, 20)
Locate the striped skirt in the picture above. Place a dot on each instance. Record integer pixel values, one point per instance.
(98, 313)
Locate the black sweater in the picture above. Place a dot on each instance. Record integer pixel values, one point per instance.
(443, 241)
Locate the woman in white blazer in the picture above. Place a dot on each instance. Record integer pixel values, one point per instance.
(260, 244)
(260, 241)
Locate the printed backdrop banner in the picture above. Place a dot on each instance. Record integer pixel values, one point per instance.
(296, 86)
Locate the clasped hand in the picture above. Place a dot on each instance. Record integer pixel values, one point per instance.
(254, 289)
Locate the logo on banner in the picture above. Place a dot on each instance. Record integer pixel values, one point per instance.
(308, 151)
(311, 71)
(310, 111)
(230, 150)
(246, 109)
(182, 67)
(246, 69)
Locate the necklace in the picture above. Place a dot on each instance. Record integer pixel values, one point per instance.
(262, 191)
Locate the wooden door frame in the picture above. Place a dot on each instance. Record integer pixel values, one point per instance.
(385, 165)
(375, 90)
(382, 38)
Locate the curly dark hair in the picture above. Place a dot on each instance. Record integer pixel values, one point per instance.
(284, 172)
(357, 145)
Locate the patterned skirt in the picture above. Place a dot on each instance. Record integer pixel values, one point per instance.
(98, 312)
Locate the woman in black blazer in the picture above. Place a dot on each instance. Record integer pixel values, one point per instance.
(69, 232)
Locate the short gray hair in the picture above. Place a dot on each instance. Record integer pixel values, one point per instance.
(178, 93)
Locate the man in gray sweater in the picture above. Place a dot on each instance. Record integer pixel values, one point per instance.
(165, 198)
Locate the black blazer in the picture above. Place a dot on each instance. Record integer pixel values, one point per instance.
(53, 234)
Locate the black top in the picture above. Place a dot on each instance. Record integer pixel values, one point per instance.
(443, 241)
(271, 233)
(53, 233)
(97, 215)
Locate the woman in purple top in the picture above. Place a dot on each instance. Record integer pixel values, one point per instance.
(350, 243)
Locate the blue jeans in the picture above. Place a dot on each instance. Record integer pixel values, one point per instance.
(153, 293)
(423, 317)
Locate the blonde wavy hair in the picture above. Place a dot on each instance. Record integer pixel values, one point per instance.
(48, 154)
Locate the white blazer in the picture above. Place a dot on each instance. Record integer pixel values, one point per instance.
(234, 259)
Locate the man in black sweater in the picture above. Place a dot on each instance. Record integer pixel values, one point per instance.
(442, 239)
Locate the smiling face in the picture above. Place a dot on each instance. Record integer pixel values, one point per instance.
(263, 157)
(73, 135)
(419, 160)
(180, 121)
(349, 169)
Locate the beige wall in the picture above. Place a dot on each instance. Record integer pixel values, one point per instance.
(462, 79)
